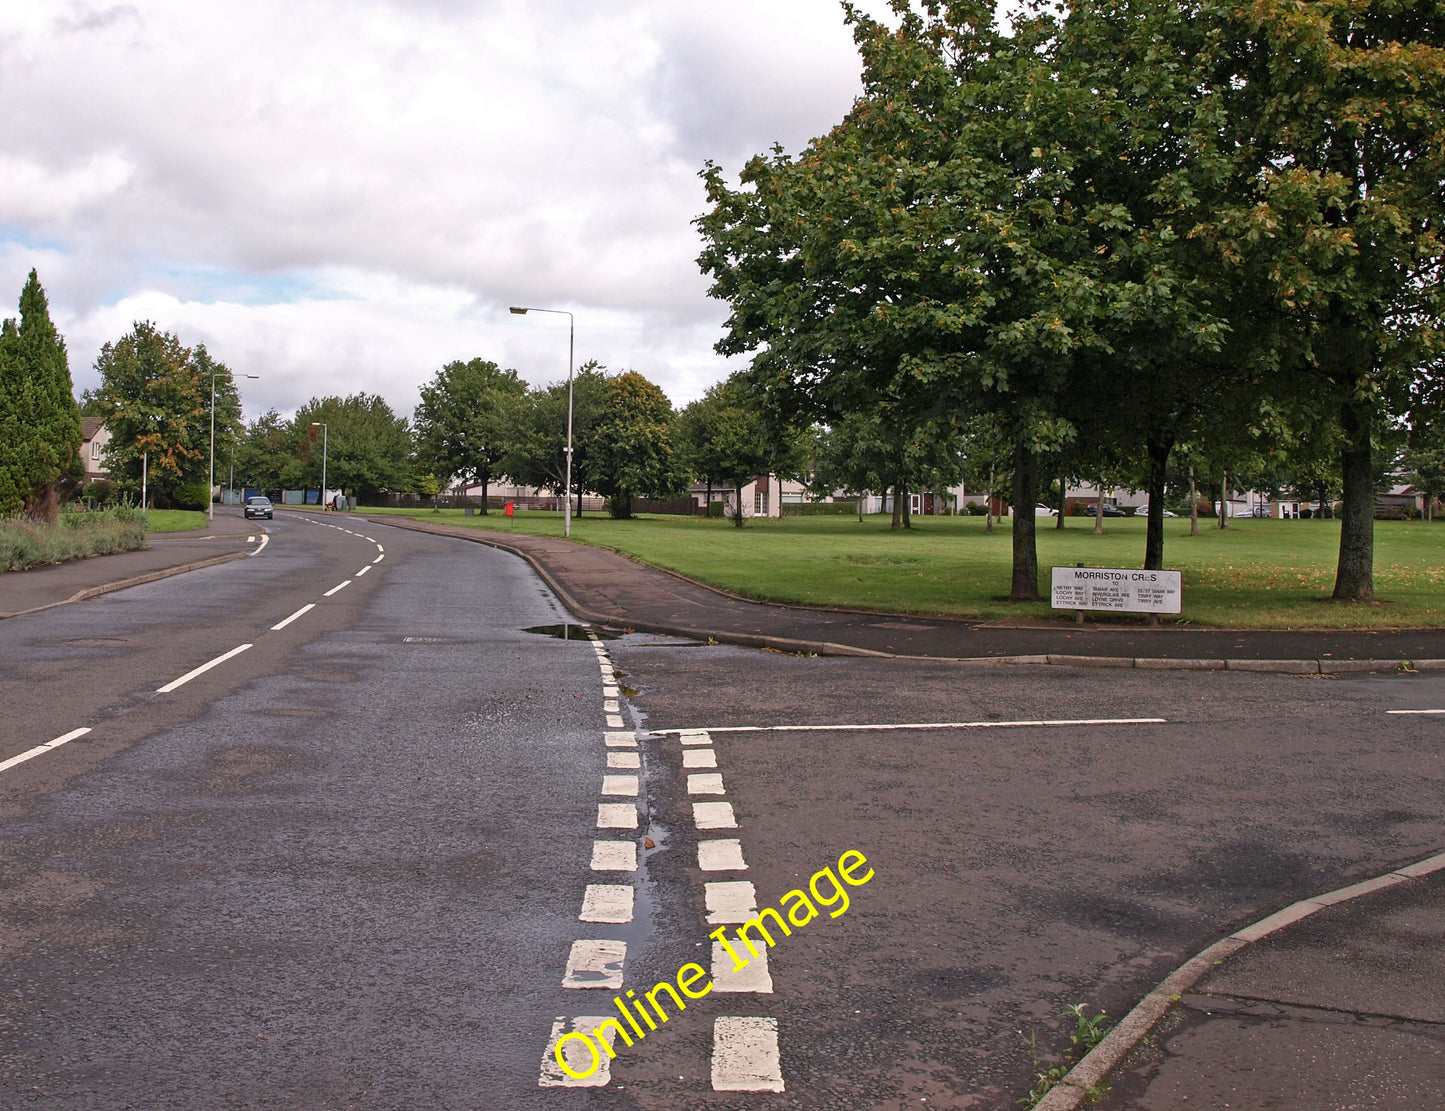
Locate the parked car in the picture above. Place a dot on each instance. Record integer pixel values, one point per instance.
(1086, 509)
(258, 507)
(1042, 510)
(1143, 511)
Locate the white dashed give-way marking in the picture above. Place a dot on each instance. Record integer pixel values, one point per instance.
(745, 1055)
(607, 902)
(1023, 723)
(579, 1055)
(595, 964)
(614, 856)
(725, 855)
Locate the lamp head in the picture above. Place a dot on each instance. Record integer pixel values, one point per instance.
(516, 310)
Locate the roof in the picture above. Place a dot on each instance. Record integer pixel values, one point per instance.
(89, 426)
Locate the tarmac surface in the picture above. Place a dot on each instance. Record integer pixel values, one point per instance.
(1341, 1010)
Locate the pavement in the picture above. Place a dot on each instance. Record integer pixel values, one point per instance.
(1332, 1003)
(167, 553)
(607, 588)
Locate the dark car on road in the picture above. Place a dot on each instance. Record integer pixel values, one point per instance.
(258, 507)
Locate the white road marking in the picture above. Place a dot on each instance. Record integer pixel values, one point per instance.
(1415, 711)
(616, 815)
(608, 691)
(595, 964)
(379, 548)
(614, 721)
(699, 758)
(334, 589)
(614, 856)
(378, 559)
(250, 540)
(363, 571)
(205, 667)
(610, 706)
(713, 815)
(606, 902)
(730, 901)
(705, 783)
(624, 760)
(694, 737)
(621, 740)
(925, 725)
(304, 609)
(620, 785)
(744, 1055)
(725, 855)
(261, 547)
(578, 1056)
(30, 754)
(753, 977)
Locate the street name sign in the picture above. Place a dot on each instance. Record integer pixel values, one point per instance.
(1118, 589)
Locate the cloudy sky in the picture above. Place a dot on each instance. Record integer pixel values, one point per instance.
(342, 195)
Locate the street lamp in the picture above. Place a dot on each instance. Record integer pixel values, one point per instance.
(571, 336)
(321, 424)
(211, 472)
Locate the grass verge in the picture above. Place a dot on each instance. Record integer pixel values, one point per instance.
(175, 520)
(1259, 574)
(77, 534)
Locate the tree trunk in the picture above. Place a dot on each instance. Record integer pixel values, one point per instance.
(1025, 550)
(1193, 505)
(707, 504)
(1063, 498)
(861, 495)
(907, 509)
(1154, 532)
(1355, 572)
(897, 507)
(484, 496)
(1324, 492)
(579, 502)
(1099, 509)
(988, 502)
(738, 508)
(1224, 499)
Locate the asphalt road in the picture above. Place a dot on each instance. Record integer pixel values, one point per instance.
(344, 867)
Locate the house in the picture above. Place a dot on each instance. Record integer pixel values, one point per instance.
(93, 437)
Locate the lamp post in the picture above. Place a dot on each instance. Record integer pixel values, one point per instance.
(571, 337)
(211, 471)
(321, 424)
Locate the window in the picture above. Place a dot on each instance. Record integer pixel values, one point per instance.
(760, 501)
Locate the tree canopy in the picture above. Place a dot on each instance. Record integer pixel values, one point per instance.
(467, 421)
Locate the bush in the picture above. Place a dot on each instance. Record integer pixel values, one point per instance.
(716, 509)
(77, 534)
(819, 509)
(191, 495)
(976, 509)
(100, 492)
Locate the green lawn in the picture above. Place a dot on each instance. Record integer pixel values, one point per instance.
(1255, 574)
(174, 520)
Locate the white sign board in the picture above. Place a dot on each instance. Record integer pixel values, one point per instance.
(1106, 588)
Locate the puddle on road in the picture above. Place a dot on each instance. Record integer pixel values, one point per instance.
(571, 632)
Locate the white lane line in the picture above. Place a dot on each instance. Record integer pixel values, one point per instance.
(620, 786)
(916, 725)
(609, 706)
(730, 901)
(614, 856)
(699, 758)
(580, 1054)
(205, 667)
(608, 691)
(304, 609)
(595, 964)
(334, 589)
(624, 760)
(725, 855)
(714, 815)
(606, 902)
(378, 559)
(379, 548)
(705, 783)
(752, 977)
(30, 754)
(616, 815)
(621, 740)
(261, 547)
(744, 1055)
(1415, 711)
(363, 571)
(614, 721)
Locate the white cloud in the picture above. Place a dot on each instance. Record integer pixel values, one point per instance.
(345, 194)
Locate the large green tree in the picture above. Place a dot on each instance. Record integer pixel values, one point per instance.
(39, 419)
(364, 447)
(155, 395)
(467, 420)
(632, 449)
(537, 455)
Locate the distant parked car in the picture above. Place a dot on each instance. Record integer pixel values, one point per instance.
(258, 507)
(1042, 510)
(1143, 511)
(1086, 509)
